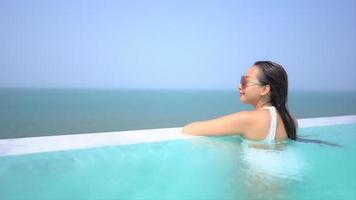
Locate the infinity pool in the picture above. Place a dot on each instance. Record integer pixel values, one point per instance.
(226, 167)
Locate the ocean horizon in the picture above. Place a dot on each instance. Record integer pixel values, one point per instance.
(29, 112)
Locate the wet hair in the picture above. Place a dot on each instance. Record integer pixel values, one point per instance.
(273, 74)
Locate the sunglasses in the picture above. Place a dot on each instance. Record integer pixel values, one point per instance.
(244, 81)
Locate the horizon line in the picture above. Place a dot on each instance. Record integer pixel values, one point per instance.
(156, 88)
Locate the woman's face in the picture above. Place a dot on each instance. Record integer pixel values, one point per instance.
(251, 93)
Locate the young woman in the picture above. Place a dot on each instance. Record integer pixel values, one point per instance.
(265, 86)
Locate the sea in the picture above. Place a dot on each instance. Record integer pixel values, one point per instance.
(30, 112)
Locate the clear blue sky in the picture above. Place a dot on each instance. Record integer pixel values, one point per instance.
(175, 44)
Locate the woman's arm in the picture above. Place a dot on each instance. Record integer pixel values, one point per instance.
(232, 124)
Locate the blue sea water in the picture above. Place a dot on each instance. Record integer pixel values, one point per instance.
(26, 112)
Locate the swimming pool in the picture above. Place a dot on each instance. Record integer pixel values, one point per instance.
(163, 164)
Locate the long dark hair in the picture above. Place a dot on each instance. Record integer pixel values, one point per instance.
(273, 74)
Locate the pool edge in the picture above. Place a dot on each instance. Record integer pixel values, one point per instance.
(29, 145)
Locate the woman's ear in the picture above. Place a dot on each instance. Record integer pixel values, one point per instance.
(266, 89)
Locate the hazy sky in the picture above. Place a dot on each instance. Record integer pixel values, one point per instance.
(175, 44)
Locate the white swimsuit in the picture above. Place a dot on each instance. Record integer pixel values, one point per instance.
(271, 136)
(267, 162)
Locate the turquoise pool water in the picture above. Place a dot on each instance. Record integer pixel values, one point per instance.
(203, 168)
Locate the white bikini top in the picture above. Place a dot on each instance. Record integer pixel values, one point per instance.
(271, 136)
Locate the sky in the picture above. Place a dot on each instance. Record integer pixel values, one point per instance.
(175, 44)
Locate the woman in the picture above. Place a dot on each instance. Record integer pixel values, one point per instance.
(265, 86)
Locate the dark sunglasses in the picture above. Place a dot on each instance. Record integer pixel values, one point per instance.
(244, 81)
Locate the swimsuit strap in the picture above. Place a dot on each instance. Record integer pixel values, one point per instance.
(272, 129)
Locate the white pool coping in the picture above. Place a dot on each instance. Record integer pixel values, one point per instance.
(29, 145)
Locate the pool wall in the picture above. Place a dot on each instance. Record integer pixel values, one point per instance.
(18, 146)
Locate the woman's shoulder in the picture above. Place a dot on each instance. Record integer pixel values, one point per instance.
(250, 115)
(258, 124)
(255, 115)
(252, 119)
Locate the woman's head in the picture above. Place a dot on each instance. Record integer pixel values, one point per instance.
(252, 90)
(266, 83)
(273, 75)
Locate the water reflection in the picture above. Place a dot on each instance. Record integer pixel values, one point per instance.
(254, 170)
(270, 171)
